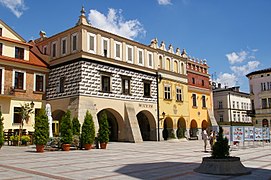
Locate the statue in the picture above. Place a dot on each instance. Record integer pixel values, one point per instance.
(50, 119)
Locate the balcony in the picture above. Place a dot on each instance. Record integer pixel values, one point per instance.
(251, 113)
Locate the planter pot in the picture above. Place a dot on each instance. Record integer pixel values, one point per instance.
(103, 145)
(66, 147)
(88, 146)
(225, 166)
(40, 148)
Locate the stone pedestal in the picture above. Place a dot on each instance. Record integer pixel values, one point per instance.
(226, 166)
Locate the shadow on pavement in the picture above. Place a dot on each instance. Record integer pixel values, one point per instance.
(179, 170)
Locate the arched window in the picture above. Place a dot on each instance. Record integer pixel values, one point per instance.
(176, 69)
(168, 64)
(182, 68)
(161, 62)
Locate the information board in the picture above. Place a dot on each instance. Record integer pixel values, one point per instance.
(226, 132)
(249, 133)
(266, 133)
(238, 133)
(258, 134)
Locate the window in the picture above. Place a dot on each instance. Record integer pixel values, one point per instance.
(168, 64)
(45, 50)
(176, 68)
(147, 89)
(202, 82)
(91, 42)
(150, 60)
(64, 46)
(1, 49)
(234, 117)
(61, 84)
(54, 49)
(233, 104)
(242, 105)
(203, 101)
(269, 102)
(39, 82)
(264, 103)
(74, 42)
(129, 56)
(237, 105)
(238, 117)
(179, 94)
(161, 62)
(106, 83)
(194, 97)
(117, 50)
(193, 80)
(167, 92)
(263, 87)
(19, 53)
(17, 118)
(126, 85)
(220, 105)
(19, 80)
(1, 31)
(221, 119)
(105, 47)
(140, 57)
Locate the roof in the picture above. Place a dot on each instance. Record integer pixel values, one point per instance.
(259, 72)
(11, 30)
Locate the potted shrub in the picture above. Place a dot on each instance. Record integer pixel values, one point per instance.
(66, 131)
(15, 140)
(41, 133)
(88, 131)
(25, 140)
(220, 163)
(1, 130)
(76, 126)
(103, 136)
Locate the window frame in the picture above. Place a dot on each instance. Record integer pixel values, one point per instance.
(127, 54)
(194, 100)
(150, 54)
(109, 83)
(35, 82)
(45, 49)
(89, 35)
(72, 42)
(142, 51)
(146, 82)
(13, 115)
(220, 104)
(66, 45)
(179, 94)
(123, 80)
(107, 48)
(204, 104)
(1, 49)
(221, 118)
(54, 50)
(167, 92)
(115, 50)
(18, 53)
(13, 79)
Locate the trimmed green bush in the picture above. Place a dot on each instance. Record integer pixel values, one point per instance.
(181, 133)
(76, 126)
(66, 128)
(88, 130)
(41, 134)
(221, 147)
(104, 128)
(1, 130)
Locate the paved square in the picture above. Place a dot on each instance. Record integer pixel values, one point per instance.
(148, 160)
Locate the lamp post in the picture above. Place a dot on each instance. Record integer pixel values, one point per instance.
(158, 80)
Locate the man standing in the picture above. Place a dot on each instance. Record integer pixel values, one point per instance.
(205, 138)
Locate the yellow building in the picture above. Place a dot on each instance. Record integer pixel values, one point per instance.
(22, 79)
(200, 98)
(172, 90)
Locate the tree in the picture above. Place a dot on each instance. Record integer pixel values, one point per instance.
(1, 130)
(104, 128)
(25, 112)
(221, 147)
(76, 126)
(41, 134)
(88, 130)
(66, 128)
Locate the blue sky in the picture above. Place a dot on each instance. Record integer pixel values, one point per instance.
(233, 35)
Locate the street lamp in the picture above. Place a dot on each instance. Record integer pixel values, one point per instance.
(32, 104)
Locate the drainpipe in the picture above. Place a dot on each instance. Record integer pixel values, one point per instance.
(158, 114)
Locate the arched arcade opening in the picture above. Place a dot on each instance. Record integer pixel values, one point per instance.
(193, 128)
(147, 125)
(168, 128)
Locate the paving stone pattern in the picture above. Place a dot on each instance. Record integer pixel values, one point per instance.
(147, 160)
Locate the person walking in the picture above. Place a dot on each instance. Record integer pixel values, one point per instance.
(205, 138)
(211, 139)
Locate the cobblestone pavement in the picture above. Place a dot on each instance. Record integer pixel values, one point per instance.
(148, 160)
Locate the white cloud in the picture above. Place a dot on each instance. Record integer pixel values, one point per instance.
(17, 7)
(245, 69)
(236, 57)
(164, 2)
(227, 79)
(114, 22)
